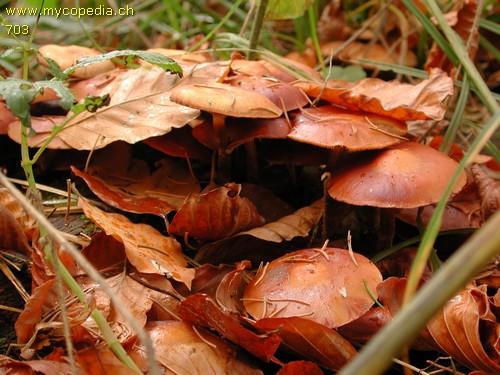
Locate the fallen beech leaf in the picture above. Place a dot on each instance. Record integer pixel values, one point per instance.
(180, 143)
(114, 256)
(133, 295)
(146, 248)
(101, 361)
(6, 117)
(140, 108)
(217, 214)
(231, 288)
(466, 27)
(489, 191)
(42, 126)
(300, 368)
(201, 310)
(35, 307)
(459, 330)
(157, 193)
(268, 238)
(310, 340)
(39, 367)
(367, 325)
(329, 286)
(394, 99)
(12, 236)
(182, 350)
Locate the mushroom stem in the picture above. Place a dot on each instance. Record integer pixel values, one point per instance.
(387, 228)
(251, 161)
(223, 159)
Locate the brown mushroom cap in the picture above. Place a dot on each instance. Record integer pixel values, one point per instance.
(330, 127)
(326, 286)
(66, 56)
(283, 95)
(224, 99)
(406, 175)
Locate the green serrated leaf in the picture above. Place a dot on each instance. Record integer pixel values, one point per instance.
(164, 62)
(67, 98)
(18, 95)
(286, 9)
(54, 68)
(93, 103)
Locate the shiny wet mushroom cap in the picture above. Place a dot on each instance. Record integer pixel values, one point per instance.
(224, 99)
(332, 127)
(330, 286)
(406, 175)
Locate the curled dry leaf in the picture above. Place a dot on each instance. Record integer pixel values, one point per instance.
(310, 340)
(158, 193)
(181, 349)
(468, 330)
(489, 191)
(35, 307)
(217, 214)
(146, 248)
(201, 310)
(42, 127)
(6, 117)
(231, 288)
(299, 368)
(12, 235)
(329, 286)
(268, 238)
(367, 325)
(101, 361)
(393, 99)
(39, 367)
(465, 25)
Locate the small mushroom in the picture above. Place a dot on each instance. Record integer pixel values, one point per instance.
(406, 175)
(223, 100)
(333, 127)
(330, 286)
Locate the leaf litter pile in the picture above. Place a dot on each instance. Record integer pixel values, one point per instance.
(235, 210)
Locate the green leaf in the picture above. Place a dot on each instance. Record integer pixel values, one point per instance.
(18, 95)
(286, 9)
(350, 73)
(54, 68)
(64, 93)
(164, 62)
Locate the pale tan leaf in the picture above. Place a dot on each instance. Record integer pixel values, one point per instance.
(140, 108)
(425, 100)
(146, 248)
(182, 350)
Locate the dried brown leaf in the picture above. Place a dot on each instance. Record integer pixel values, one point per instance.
(158, 193)
(181, 349)
(201, 310)
(146, 248)
(489, 191)
(12, 236)
(311, 340)
(217, 214)
(401, 101)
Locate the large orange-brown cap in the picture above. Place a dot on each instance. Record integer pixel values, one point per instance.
(406, 175)
(331, 127)
(224, 99)
(283, 95)
(329, 286)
